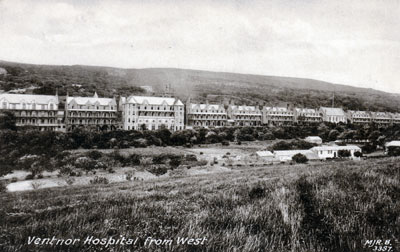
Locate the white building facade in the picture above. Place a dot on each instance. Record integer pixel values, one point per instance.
(91, 113)
(205, 115)
(152, 113)
(39, 111)
(333, 115)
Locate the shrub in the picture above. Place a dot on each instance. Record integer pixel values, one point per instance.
(191, 158)
(14, 179)
(257, 192)
(157, 169)
(69, 180)
(225, 143)
(133, 159)
(99, 180)
(111, 170)
(344, 153)
(94, 154)
(358, 154)
(3, 187)
(175, 162)
(300, 158)
(36, 185)
(394, 151)
(29, 177)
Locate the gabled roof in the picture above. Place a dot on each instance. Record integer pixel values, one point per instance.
(207, 106)
(244, 108)
(306, 110)
(333, 111)
(153, 100)
(91, 100)
(28, 98)
(279, 109)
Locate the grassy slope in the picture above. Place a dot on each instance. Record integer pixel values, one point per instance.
(335, 206)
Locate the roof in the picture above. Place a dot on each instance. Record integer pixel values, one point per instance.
(153, 100)
(264, 154)
(333, 111)
(306, 110)
(336, 147)
(28, 98)
(313, 138)
(393, 143)
(207, 106)
(244, 108)
(282, 109)
(90, 100)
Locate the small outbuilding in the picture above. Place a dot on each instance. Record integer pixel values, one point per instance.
(328, 151)
(265, 155)
(287, 155)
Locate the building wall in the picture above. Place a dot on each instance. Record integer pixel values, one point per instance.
(152, 116)
(91, 116)
(206, 115)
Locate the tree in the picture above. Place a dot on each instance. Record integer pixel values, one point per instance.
(333, 135)
(8, 121)
(344, 153)
(358, 154)
(300, 158)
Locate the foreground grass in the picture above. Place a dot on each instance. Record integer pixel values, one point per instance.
(318, 207)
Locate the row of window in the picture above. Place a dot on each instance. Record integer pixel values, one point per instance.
(24, 106)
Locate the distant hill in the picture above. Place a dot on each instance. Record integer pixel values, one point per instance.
(198, 85)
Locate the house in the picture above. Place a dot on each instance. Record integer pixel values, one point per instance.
(314, 140)
(91, 112)
(333, 115)
(152, 113)
(328, 152)
(287, 155)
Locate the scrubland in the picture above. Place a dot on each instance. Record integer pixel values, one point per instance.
(333, 206)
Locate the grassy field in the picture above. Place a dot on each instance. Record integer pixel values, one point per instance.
(317, 207)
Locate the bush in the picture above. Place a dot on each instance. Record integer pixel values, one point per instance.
(157, 169)
(394, 151)
(225, 143)
(3, 187)
(344, 153)
(70, 180)
(257, 192)
(358, 154)
(14, 179)
(94, 154)
(191, 158)
(29, 177)
(99, 180)
(300, 158)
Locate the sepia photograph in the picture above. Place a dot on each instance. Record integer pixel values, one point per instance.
(200, 125)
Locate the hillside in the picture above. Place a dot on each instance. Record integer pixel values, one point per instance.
(199, 85)
(333, 206)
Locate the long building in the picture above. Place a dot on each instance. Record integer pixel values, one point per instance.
(381, 118)
(306, 116)
(205, 115)
(359, 117)
(278, 116)
(152, 113)
(92, 113)
(40, 111)
(244, 115)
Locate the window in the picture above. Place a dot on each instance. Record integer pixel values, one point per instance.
(4, 105)
(52, 106)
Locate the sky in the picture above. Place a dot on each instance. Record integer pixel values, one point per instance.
(353, 42)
